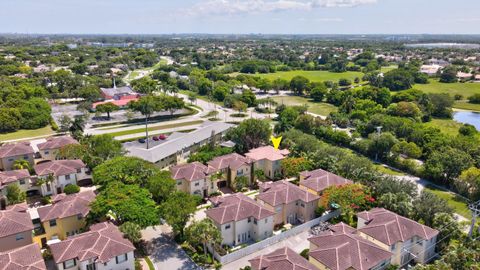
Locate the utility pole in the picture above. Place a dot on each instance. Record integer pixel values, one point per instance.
(475, 208)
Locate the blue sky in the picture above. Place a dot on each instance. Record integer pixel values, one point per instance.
(240, 16)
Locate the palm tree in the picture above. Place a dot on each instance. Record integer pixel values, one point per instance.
(21, 164)
(203, 232)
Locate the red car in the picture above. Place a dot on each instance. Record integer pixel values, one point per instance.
(162, 137)
(155, 138)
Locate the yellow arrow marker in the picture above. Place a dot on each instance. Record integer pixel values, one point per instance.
(276, 141)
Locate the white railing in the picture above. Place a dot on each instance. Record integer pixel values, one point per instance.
(274, 239)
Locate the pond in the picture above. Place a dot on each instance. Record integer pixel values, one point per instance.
(467, 117)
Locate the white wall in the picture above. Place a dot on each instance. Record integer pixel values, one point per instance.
(111, 265)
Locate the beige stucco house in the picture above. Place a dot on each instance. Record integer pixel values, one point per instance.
(49, 149)
(268, 159)
(317, 181)
(103, 247)
(9, 153)
(16, 177)
(64, 173)
(407, 239)
(15, 227)
(194, 178)
(240, 219)
(230, 167)
(340, 248)
(290, 203)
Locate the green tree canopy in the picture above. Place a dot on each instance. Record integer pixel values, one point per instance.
(128, 202)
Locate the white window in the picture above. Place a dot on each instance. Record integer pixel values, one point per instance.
(69, 264)
(22, 181)
(179, 183)
(227, 227)
(67, 177)
(46, 152)
(121, 258)
(19, 236)
(197, 184)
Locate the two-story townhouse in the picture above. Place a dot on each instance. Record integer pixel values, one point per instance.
(317, 181)
(290, 203)
(9, 153)
(240, 219)
(231, 166)
(17, 177)
(48, 150)
(28, 257)
(101, 248)
(15, 227)
(407, 239)
(340, 248)
(194, 178)
(63, 218)
(53, 176)
(268, 159)
(281, 259)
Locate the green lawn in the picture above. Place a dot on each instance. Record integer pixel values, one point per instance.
(26, 133)
(320, 108)
(465, 105)
(448, 126)
(458, 203)
(464, 89)
(204, 98)
(388, 68)
(386, 170)
(314, 76)
(138, 130)
(136, 72)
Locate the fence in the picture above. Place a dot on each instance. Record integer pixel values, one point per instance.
(274, 239)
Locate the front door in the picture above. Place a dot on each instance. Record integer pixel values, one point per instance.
(91, 266)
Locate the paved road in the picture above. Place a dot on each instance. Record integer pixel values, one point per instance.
(164, 252)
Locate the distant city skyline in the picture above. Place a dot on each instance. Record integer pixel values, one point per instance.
(240, 17)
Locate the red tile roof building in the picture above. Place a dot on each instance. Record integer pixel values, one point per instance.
(341, 249)
(103, 244)
(398, 234)
(232, 166)
(290, 203)
(15, 227)
(27, 257)
(57, 142)
(268, 159)
(281, 259)
(9, 153)
(318, 180)
(59, 167)
(240, 218)
(194, 178)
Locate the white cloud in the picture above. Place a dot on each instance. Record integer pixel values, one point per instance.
(232, 7)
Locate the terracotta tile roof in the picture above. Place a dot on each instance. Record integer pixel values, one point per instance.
(281, 259)
(319, 180)
(27, 257)
(16, 149)
(103, 242)
(14, 220)
(236, 207)
(57, 142)
(389, 228)
(232, 161)
(13, 176)
(67, 206)
(283, 192)
(341, 249)
(267, 152)
(59, 167)
(191, 171)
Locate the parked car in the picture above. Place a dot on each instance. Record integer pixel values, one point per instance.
(155, 138)
(162, 137)
(141, 140)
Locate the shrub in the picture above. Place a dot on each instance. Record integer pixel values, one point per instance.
(475, 99)
(70, 189)
(304, 253)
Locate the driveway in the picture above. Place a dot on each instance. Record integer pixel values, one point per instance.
(297, 243)
(164, 252)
